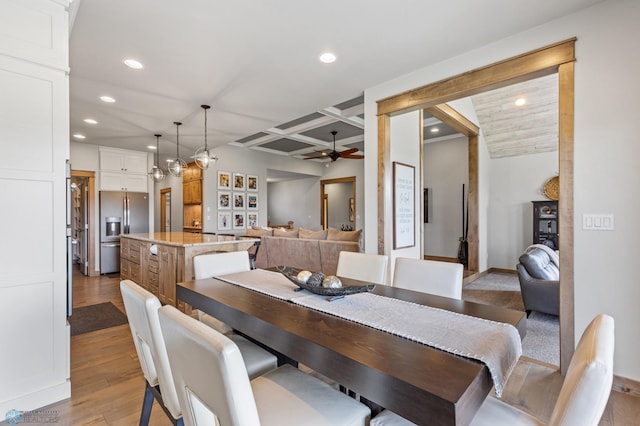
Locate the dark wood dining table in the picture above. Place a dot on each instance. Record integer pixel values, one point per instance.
(418, 382)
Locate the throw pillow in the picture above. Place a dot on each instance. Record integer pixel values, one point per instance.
(281, 232)
(312, 235)
(337, 235)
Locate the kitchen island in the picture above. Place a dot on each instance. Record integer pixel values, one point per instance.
(157, 261)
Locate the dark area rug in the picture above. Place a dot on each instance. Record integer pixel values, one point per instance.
(95, 317)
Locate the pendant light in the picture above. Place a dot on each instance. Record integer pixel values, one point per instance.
(156, 173)
(203, 157)
(178, 165)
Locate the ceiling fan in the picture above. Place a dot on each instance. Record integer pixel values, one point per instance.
(334, 155)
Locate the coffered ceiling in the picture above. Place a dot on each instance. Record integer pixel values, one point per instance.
(256, 63)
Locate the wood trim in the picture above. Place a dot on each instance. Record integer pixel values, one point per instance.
(384, 178)
(441, 259)
(473, 236)
(502, 271)
(454, 119)
(91, 214)
(323, 195)
(626, 385)
(547, 60)
(565, 210)
(534, 64)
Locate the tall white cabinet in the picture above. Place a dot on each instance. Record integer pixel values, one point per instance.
(34, 144)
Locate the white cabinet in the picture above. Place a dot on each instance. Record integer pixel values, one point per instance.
(123, 161)
(118, 181)
(123, 170)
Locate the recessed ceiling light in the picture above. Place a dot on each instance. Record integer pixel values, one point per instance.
(90, 121)
(327, 57)
(434, 130)
(151, 147)
(520, 101)
(107, 99)
(79, 136)
(132, 63)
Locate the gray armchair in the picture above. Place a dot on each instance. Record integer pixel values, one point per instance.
(539, 277)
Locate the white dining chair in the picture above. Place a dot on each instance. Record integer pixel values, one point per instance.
(142, 313)
(215, 264)
(429, 276)
(363, 266)
(583, 396)
(215, 389)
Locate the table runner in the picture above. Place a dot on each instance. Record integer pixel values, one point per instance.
(495, 344)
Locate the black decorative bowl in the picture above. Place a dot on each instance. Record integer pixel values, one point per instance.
(334, 293)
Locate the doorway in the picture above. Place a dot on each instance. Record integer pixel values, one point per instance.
(337, 203)
(82, 220)
(165, 210)
(558, 58)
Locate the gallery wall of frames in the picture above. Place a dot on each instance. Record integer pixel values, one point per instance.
(237, 195)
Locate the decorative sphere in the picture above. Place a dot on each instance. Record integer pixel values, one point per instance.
(316, 279)
(303, 276)
(331, 281)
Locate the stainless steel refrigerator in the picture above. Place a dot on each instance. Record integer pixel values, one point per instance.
(120, 213)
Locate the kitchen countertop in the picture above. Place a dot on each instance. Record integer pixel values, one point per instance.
(185, 239)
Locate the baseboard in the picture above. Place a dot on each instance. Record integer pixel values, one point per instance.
(474, 276)
(442, 259)
(502, 271)
(625, 385)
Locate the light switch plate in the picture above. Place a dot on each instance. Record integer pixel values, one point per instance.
(597, 222)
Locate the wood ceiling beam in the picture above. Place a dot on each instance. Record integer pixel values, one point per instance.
(541, 62)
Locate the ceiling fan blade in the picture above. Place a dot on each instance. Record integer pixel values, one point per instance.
(348, 151)
(320, 156)
(353, 156)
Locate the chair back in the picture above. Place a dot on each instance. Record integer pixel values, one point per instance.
(587, 385)
(209, 372)
(215, 264)
(429, 276)
(142, 313)
(363, 266)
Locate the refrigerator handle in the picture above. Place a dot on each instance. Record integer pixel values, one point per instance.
(125, 215)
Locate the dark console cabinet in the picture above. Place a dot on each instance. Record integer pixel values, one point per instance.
(545, 223)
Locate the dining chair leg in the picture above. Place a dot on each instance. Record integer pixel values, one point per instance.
(147, 405)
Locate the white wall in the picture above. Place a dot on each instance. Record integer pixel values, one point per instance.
(338, 195)
(445, 170)
(347, 168)
(297, 200)
(405, 148)
(515, 182)
(606, 150)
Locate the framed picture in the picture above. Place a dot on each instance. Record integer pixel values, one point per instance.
(403, 205)
(224, 180)
(238, 220)
(352, 209)
(238, 200)
(238, 182)
(252, 201)
(224, 221)
(252, 219)
(252, 183)
(224, 200)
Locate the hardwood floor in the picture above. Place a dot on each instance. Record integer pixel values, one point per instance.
(107, 385)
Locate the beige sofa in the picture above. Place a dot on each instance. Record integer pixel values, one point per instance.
(304, 249)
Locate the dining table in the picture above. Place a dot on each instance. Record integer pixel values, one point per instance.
(421, 383)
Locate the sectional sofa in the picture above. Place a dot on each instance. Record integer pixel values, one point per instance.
(303, 248)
